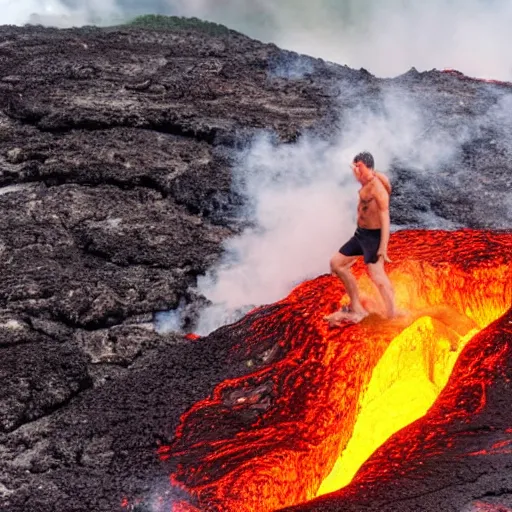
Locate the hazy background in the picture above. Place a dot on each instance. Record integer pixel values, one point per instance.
(387, 37)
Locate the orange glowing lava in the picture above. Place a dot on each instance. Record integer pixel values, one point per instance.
(271, 438)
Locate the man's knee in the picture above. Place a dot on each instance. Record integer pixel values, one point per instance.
(334, 264)
(339, 264)
(380, 282)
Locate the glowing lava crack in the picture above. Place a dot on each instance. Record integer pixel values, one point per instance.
(319, 401)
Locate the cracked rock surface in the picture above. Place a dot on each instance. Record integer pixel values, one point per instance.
(116, 156)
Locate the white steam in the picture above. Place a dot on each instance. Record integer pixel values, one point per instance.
(387, 38)
(170, 321)
(302, 200)
(300, 215)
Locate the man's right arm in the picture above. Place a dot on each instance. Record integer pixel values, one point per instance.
(382, 199)
(385, 181)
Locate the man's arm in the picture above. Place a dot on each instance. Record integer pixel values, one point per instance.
(382, 199)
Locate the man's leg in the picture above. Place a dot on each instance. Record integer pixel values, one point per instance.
(340, 265)
(381, 280)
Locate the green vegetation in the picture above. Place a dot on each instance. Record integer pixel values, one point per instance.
(161, 22)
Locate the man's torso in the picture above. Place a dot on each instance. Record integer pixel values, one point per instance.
(368, 212)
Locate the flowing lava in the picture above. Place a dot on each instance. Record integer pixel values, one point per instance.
(319, 401)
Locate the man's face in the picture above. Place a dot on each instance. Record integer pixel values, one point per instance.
(360, 170)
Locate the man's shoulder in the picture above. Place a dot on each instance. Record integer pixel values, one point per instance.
(383, 181)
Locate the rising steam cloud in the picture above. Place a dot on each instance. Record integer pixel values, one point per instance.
(387, 38)
(302, 201)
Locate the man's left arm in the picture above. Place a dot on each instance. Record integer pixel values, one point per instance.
(382, 199)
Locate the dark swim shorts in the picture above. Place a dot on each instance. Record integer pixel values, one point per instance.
(365, 242)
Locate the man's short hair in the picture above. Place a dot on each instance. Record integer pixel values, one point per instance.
(366, 158)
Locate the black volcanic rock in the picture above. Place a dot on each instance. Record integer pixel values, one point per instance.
(116, 150)
(101, 448)
(48, 376)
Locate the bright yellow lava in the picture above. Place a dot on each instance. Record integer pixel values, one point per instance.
(404, 385)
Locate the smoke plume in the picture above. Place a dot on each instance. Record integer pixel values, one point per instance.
(301, 199)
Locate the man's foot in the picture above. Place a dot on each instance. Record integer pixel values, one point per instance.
(345, 315)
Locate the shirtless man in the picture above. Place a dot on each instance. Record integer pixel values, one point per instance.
(370, 241)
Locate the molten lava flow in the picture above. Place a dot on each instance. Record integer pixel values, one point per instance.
(413, 371)
(269, 439)
(427, 465)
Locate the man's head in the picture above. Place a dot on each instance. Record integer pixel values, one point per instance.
(363, 165)
(366, 158)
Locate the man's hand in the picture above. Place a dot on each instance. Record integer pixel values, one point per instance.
(384, 255)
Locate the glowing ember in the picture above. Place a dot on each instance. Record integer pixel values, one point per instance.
(270, 439)
(462, 76)
(487, 507)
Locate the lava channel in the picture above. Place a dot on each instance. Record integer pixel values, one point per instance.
(318, 401)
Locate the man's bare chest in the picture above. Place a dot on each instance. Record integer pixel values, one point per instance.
(366, 198)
